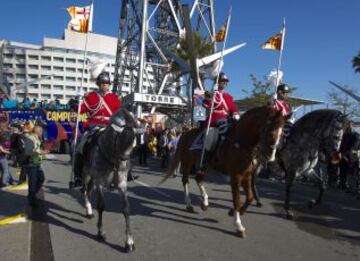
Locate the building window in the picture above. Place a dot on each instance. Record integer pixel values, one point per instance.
(68, 97)
(85, 79)
(33, 76)
(45, 96)
(20, 56)
(70, 69)
(46, 58)
(58, 87)
(20, 76)
(80, 61)
(20, 66)
(8, 65)
(20, 95)
(8, 55)
(58, 68)
(33, 95)
(33, 66)
(46, 86)
(58, 59)
(58, 78)
(92, 89)
(70, 60)
(9, 75)
(71, 79)
(33, 57)
(45, 67)
(34, 86)
(58, 96)
(70, 88)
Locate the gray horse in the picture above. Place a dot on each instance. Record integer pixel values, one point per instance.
(316, 135)
(106, 161)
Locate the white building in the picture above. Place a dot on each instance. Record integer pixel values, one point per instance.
(55, 69)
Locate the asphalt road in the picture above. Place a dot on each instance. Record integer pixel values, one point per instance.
(163, 230)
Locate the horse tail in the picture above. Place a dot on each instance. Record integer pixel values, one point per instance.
(173, 164)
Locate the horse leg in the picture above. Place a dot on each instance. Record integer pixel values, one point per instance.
(125, 208)
(254, 187)
(185, 180)
(249, 194)
(205, 198)
(100, 208)
(88, 184)
(235, 188)
(317, 201)
(289, 182)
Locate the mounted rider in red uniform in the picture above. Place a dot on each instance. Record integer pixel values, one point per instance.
(280, 104)
(223, 109)
(99, 105)
(224, 106)
(280, 100)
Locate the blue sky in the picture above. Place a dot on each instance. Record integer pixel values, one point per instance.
(322, 36)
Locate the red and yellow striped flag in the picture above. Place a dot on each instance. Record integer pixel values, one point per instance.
(81, 18)
(274, 43)
(220, 36)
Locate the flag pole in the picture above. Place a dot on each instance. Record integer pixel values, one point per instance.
(215, 88)
(79, 93)
(280, 57)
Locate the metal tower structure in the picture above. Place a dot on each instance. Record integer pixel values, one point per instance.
(146, 29)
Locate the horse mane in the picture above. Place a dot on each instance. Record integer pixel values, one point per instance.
(306, 123)
(252, 122)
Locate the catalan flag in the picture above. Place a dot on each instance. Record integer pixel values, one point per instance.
(275, 42)
(220, 36)
(81, 18)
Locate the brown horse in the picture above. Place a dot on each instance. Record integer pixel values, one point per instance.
(254, 137)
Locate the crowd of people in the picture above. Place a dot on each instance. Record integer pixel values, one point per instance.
(33, 104)
(14, 149)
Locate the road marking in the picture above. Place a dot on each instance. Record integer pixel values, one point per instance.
(19, 218)
(153, 189)
(23, 186)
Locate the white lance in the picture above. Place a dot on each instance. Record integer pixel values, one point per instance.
(80, 97)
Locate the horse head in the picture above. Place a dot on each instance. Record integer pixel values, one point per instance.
(123, 128)
(333, 133)
(271, 133)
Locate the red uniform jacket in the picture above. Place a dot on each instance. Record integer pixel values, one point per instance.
(224, 107)
(99, 108)
(282, 106)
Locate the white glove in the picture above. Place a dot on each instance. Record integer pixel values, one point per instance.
(236, 116)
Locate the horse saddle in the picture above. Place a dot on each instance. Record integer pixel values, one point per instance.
(214, 135)
(91, 138)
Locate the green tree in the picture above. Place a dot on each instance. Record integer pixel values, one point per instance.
(356, 63)
(261, 90)
(344, 103)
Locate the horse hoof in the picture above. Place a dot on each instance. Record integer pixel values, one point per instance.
(259, 204)
(204, 207)
(290, 215)
(241, 233)
(89, 216)
(190, 209)
(231, 212)
(101, 237)
(129, 248)
(311, 204)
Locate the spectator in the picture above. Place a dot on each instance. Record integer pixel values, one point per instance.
(26, 103)
(6, 178)
(143, 141)
(172, 146)
(32, 164)
(164, 142)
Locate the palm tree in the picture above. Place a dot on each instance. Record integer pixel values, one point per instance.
(356, 63)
